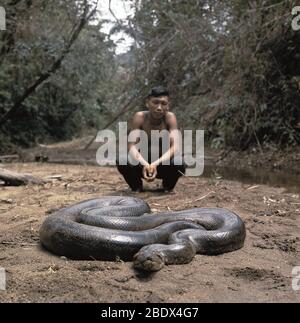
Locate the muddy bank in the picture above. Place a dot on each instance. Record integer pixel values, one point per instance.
(272, 159)
(273, 167)
(269, 159)
(260, 272)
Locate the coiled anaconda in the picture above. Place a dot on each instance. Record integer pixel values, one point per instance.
(111, 227)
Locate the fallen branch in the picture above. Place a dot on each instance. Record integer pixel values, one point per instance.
(16, 179)
(253, 187)
(203, 197)
(7, 158)
(200, 198)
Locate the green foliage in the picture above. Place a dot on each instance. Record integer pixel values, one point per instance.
(261, 97)
(78, 96)
(230, 66)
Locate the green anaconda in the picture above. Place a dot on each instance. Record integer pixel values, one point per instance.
(113, 227)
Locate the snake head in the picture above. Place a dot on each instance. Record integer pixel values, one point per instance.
(148, 260)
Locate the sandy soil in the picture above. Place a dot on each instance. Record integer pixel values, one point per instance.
(260, 272)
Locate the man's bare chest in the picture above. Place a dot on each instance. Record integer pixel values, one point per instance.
(149, 127)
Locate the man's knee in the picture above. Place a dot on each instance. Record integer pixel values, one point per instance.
(128, 169)
(122, 165)
(123, 169)
(121, 161)
(125, 161)
(170, 171)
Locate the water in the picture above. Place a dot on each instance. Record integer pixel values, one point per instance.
(255, 176)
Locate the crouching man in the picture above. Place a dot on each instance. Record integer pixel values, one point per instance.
(168, 165)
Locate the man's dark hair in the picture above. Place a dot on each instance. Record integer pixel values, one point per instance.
(158, 91)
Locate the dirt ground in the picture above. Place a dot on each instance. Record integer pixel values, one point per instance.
(259, 272)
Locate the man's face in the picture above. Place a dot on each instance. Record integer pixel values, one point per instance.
(158, 107)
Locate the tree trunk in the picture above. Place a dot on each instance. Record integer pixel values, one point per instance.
(16, 179)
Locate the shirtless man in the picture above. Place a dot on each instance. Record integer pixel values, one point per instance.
(158, 117)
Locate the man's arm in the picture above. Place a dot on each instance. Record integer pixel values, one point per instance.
(137, 122)
(174, 140)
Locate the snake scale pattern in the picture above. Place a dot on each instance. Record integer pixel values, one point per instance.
(114, 227)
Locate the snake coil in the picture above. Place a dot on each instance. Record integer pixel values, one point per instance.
(111, 227)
